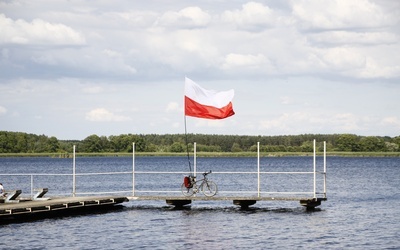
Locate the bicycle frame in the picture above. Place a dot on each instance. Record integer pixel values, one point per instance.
(196, 187)
(207, 187)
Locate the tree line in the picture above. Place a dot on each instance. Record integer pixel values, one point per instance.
(19, 142)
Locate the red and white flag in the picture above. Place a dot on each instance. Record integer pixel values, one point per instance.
(205, 103)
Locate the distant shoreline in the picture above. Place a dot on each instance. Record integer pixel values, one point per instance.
(205, 154)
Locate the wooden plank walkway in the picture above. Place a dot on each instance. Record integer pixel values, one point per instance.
(60, 205)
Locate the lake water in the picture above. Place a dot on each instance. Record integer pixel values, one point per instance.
(362, 210)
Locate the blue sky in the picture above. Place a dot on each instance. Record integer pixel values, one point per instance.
(71, 69)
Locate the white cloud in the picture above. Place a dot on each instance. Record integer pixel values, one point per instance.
(392, 120)
(103, 115)
(176, 125)
(183, 50)
(252, 16)
(287, 100)
(285, 121)
(3, 110)
(374, 69)
(111, 53)
(243, 62)
(120, 42)
(340, 14)
(131, 18)
(93, 89)
(190, 17)
(343, 37)
(343, 59)
(37, 32)
(172, 107)
(305, 122)
(78, 62)
(346, 122)
(210, 123)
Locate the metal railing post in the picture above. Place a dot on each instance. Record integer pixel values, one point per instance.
(258, 169)
(31, 185)
(194, 160)
(324, 169)
(73, 173)
(133, 169)
(315, 172)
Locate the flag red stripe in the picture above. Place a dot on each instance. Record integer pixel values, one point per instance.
(195, 109)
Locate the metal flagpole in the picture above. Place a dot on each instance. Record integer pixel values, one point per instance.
(187, 147)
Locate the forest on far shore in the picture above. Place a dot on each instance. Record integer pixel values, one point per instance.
(19, 142)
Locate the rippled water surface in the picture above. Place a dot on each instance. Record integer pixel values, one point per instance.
(362, 211)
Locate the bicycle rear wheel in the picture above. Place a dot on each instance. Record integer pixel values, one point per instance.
(209, 188)
(186, 191)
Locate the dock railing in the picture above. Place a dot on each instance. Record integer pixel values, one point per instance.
(313, 192)
(63, 177)
(176, 191)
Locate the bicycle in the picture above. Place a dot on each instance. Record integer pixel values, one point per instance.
(191, 187)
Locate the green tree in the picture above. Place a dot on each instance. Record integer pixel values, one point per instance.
(4, 142)
(348, 142)
(372, 144)
(121, 143)
(22, 143)
(253, 148)
(124, 143)
(307, 146)
(177, 147)
(151, 148)
(41, 144)
(391, 147)
(140, 143)
(236, 147)
(92, 144)
(396, 140)
(53, 145)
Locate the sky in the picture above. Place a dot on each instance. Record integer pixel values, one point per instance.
(74, 68)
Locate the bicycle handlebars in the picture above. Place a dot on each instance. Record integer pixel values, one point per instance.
(206, 173)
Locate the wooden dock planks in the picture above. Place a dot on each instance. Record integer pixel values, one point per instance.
(56, 206)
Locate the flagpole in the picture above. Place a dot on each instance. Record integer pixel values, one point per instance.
(187, 147)
(200, 103)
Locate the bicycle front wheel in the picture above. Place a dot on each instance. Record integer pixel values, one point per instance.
(186, 191)
(209, 188)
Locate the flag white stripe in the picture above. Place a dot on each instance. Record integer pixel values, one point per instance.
(207, 97)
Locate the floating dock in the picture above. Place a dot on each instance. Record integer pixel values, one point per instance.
(243, 202)
(25, 210)
(32, 209)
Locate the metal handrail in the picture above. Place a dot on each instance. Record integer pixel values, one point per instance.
(259, 173)
(32, 175)
(133, 173)
(229, 172)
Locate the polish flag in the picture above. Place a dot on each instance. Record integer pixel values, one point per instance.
(205, 103)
